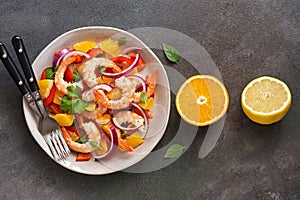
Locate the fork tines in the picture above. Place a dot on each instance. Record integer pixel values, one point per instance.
(57, 144)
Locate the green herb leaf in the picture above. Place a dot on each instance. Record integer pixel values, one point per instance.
(122, 41)
(174, 151)
(94, 144)
(76, 76)
(72, 103)
(143, 97)
(171, 53)
(66, 104)
(50, 73)
(101, 69)
(83, 139)
(80, 106)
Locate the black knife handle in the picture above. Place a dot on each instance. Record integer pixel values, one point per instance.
(13, 70)
(25, 63)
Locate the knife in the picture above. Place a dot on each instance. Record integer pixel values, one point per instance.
(28, 71)
(18, 79)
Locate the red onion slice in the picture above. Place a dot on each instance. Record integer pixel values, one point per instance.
(122, 73)
(59, 56)
(145, 118)
(89, 94)
(140, 79)
(130, 49)
(113, 144)
(103, 86)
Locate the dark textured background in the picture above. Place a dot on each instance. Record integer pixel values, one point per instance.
(246, 39)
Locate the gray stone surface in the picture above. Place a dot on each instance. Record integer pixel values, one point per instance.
(246, 39)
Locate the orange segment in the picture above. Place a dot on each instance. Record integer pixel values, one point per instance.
(84, 46)
(202, 100)
(45, 86)
(64, 119)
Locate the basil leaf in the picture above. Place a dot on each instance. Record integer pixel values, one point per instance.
(94, 144)
(174, 151)
(122, 41)
(143, 97)
(171, 53)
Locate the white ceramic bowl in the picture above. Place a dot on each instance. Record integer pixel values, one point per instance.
(119, 160)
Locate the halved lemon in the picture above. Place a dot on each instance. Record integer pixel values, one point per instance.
(266, 100)
(202, 100)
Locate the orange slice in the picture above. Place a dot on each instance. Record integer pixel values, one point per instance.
(202, 100)
(45, 86)
(266, 100)
(64, 119)
(84, 46)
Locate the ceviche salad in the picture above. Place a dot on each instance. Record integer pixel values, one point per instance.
(98, 95)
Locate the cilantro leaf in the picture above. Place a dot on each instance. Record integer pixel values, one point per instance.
(66, 104)
(94, 144)
(80, 106)
(72, 103)
(143, 97)
(50, 73)
(76, 76)
(122, 41)
(101, 69)
(83, 139)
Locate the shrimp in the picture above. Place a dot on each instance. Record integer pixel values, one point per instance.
(127, 90)
(89, 70)
(98, 112)
(151, 82)
(60, 83)
(122, 144)
(93, 135)
(128, 117)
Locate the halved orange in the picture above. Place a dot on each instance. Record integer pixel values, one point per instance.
(202, 100)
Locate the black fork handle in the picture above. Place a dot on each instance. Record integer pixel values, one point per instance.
(13, 70)
(25, 63)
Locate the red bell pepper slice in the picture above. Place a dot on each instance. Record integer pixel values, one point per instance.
(94, 52)
(119, 60)
(44, 76)
(55, 108)
(83, 157)
(51, 96)
(68, 75)
(141, 64)
(147, 112)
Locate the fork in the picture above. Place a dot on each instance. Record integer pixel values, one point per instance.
(47, 126)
